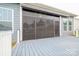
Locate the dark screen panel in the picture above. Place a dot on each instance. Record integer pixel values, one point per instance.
(29, 28)
(36, 27)
(40, 28)
(50, 28)
(56, 28)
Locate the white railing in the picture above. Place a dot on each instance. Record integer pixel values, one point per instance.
(5, 43)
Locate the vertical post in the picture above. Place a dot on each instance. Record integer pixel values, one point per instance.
(60, 26)
(12, 21)
(21, 28)
(73, 25)
(68, 18)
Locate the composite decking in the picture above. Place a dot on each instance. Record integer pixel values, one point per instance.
(57, 46)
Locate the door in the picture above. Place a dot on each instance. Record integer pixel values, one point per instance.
(67, 26)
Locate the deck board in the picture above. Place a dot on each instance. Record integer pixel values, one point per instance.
(26, 50)
(23, 50)
(58, 46)
(19, 51)
(14, 51)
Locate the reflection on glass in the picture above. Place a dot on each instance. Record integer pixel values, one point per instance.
(65, 25)
(28, 28)
(5, 26)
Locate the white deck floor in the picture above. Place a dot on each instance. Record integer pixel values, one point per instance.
(59, 46)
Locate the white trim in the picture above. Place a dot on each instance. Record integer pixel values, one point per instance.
(21, 29)
(67, 24)
(12, 21)
(60, 26)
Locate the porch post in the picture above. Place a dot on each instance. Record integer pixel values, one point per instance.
(60, 26)
(20, 39)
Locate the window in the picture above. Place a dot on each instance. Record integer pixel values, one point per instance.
(70, 25)
(5, 25)
(67, 24)
(5, 19)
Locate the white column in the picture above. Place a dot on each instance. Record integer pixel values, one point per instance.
(68, 18)
(60, 26)
(21, 28)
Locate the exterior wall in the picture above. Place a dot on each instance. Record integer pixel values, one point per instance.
(16, 8)
(76, 24)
